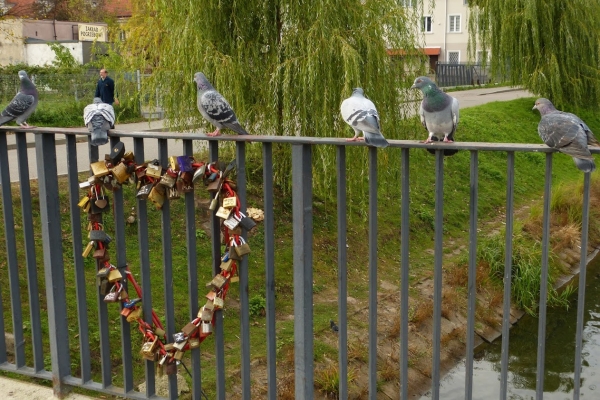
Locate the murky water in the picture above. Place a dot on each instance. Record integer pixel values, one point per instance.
(560, 355)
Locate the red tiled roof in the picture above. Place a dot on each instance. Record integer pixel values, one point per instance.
(20, 8)
(119, 8)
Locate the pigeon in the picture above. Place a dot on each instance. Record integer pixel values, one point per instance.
(438, 112)
(333, 326)
(566, 133)
(23, 104)
(360, 113)
(214, 108)
(99, 117)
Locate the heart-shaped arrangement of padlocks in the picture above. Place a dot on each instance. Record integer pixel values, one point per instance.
(153, 183)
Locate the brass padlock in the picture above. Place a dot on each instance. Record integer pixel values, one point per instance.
(206, 315)
(148, 350)
(128, 156)
(167, 180)
(230, 202)
(243, 248)
(99, 169)
(159, 332)
(179, 345)
(173, 164)
(114, 275)
(189, 329)
(157, 197)
(218, 282)
(178, 355)
(134, 315)
(223, 212)
(154, 171)
(121, 173)
(88, 249)
(169, 347)
(84, 202)
(226, 265)
(218, 302)
(194, 343)
(123, 296)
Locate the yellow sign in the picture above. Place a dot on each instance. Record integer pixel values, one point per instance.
(89, 33)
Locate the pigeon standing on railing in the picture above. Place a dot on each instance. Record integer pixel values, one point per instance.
(23, 104)
(566, 133)
(360, 113)
(213, 106)
(439, 113)
(99, 117)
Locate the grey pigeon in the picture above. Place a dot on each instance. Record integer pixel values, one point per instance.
(99, 117)
(360, 113)
(214, 108)
(23, 104)
(439, 112)
(566, 133)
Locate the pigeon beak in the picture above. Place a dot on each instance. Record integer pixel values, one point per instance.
(413, 87)
(534, 107)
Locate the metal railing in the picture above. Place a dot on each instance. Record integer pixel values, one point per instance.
(57, 331)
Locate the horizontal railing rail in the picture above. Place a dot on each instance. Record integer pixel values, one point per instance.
(56, 340)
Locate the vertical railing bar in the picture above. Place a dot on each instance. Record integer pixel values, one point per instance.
(11, 255)
(404, 271)
(269, 229)
(510, 183)
(373, 273)
(144, 254)
(437, 273)
(541, 347)
(213, 150)
(167, 263)
(45, 146)
(30, 258)
(192, 272)
(472, 288)
(342, 227)
(102, 323)
(243, 274)
(79, 266)
(121, 260)
(303, 270)
(581, 290)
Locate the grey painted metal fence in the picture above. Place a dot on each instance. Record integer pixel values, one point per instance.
(59, 340)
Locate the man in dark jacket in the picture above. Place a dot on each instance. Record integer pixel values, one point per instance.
(105, 89)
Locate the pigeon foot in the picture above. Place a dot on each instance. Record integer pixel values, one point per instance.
(446, 140)
(428, 141)
(26, 125)
(355, 139)
(215, 133)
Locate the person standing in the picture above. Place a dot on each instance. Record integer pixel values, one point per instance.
(105, 89)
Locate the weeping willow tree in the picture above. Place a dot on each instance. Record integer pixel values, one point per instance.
(284, 65)
(550, 47)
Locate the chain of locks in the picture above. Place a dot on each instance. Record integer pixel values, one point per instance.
(154, 184)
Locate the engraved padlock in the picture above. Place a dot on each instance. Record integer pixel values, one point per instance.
(154, 170)
(218, 302)
(173, 193)
(232, 222)
(99, 168)
(243, 248)
(218, 282)
(168, 179)
(144, 191)
(230, 202)
(223, 212)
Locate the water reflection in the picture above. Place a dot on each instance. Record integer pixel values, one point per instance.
(560, 355)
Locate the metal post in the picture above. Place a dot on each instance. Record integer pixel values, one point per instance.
(437, 273)
(372, 273)
(303, 270)
(342, 213)
(404, 272)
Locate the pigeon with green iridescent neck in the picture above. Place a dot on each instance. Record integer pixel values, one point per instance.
(439, 112)
(360, 113)
(567, 133)
(23, 104)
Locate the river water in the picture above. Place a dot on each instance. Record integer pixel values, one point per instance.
(560, 355)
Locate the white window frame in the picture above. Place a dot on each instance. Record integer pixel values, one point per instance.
(423, 25)
(455, 16)
(479, 57)
(452, 51)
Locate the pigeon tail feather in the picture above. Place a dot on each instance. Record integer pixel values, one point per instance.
(376, 140)
(5, 119)
(236, 127)
(585, 165)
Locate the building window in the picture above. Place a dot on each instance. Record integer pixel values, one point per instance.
(454, 57)
(122, 36)
(426, 24)
(454, 23)
(408, 3)
(466, 2)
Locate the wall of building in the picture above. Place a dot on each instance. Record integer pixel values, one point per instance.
(41, 54)
(50, 30)
(12, 46)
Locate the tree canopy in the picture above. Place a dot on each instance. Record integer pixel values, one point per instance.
(551, 47)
